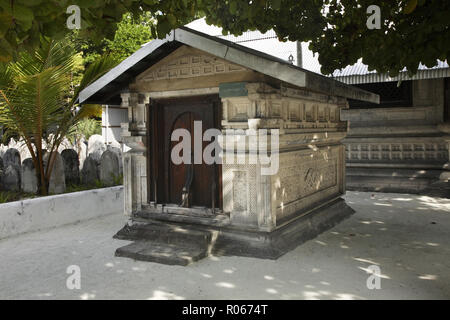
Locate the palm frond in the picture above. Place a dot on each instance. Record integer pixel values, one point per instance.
(95, 70)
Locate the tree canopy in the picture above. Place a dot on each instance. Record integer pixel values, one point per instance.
(132, 32)
(411, 31)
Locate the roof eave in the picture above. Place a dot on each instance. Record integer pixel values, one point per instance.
(237, 54)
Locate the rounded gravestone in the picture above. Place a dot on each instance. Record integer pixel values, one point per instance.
(29, 179)
(11, 178)
(109, 168)
(57, 183)
(11, 156)
(118, 152)
(89, 173)
(96, 147)
(2, 170)
(82, 151)
(71, 166)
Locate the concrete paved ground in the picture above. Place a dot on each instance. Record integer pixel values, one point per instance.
(407, 236)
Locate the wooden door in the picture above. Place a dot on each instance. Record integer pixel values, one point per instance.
(181, 113)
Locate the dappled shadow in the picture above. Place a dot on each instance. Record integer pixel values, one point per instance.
(412, 253)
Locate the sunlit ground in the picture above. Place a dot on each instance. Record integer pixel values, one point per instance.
(406, 236)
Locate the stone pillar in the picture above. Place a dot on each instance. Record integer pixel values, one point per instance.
(134, 135)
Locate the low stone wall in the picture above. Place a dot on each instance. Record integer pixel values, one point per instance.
(53, 211)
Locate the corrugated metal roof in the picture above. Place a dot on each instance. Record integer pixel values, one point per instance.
(359, 73)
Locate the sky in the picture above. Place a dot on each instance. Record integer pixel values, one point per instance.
(268, 45)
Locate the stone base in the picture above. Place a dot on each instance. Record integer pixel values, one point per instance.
(176, 243)
(272, 245)
(415, 181)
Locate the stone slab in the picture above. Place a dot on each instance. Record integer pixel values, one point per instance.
(164, 233)
(162, 253)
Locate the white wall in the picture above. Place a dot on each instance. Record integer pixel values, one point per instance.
(112, 117)
(53, 211)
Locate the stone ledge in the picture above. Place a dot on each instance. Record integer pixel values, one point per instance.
(53, 211)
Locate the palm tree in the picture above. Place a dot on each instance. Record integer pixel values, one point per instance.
(38, 100)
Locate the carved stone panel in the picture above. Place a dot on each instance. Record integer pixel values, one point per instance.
(306, 177)
(188, 63)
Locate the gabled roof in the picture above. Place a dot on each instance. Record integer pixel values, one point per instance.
(106, 90)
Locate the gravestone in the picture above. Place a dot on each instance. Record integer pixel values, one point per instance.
(20, 146)
(118, 152)
(96, 147)
(29, 179)
(81, 148)
(109, 167)
(1, 173)
(65, 144)
(11, 157)
(89, 173)
(11, 178)
(71, 166)
(57, 183)
(3, 149)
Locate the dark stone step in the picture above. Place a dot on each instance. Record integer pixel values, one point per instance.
(162, 253)
(165, 233)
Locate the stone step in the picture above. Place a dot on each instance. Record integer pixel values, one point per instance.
(163, 253)
(165, 233)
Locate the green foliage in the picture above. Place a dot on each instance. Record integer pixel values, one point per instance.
(85, 128)
(10, 196)
(131, 34)
(117, 179)
(412, 31)
(5, 197)
(99, 184)
(38, 99)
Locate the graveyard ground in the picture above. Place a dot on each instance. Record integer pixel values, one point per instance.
(406, 236)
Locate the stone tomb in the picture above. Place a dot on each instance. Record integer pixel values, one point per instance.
(181, 212)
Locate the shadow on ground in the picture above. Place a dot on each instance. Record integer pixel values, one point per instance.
(406, 236)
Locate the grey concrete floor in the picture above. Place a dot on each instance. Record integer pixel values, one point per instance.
(406, 236)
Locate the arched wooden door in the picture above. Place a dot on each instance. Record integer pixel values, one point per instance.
(171, 178)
